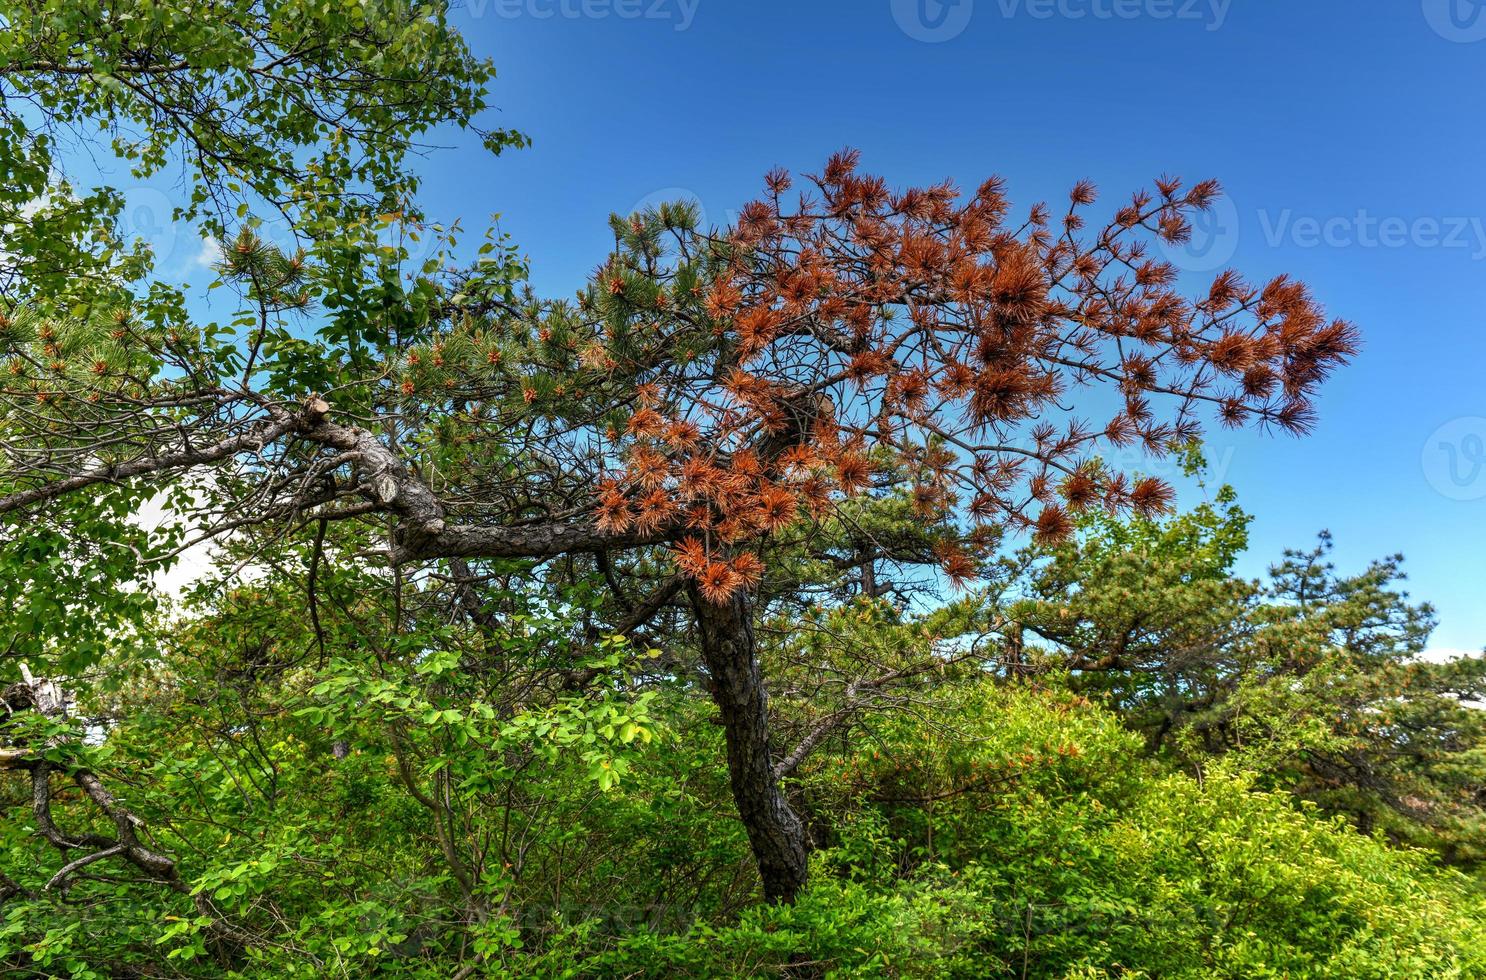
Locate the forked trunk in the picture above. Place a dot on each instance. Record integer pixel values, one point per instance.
(776, 833)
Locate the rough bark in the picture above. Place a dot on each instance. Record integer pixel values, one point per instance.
(775, 832)
(423, 529)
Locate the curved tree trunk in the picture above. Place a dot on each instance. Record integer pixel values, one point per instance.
(780, 844)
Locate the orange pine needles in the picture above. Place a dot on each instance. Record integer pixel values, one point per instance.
(717, 582)
(690, 556)
(614, 510)
(853, 337)
(853, 473)
(957, 566)
(777, 508)
(646, 423)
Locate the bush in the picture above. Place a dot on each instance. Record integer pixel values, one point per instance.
(1051, 848)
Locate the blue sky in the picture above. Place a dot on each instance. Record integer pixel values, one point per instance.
(1347, 134)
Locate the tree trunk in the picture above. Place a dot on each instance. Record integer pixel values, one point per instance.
(777, 835)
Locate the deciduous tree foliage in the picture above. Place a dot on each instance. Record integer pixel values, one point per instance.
(988, 829)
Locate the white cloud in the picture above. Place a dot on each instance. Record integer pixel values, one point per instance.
(210, 253)
(1443, 655)
(194, 564)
